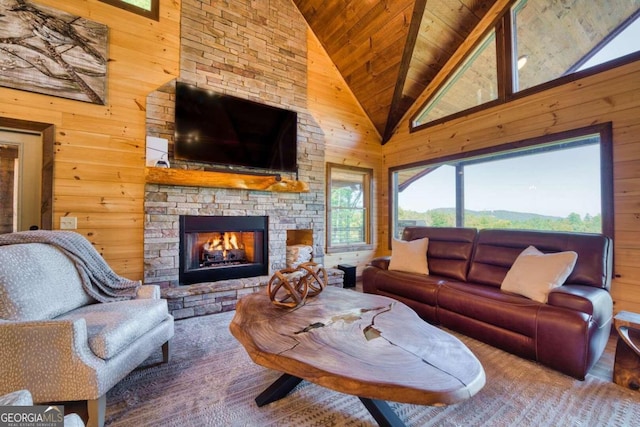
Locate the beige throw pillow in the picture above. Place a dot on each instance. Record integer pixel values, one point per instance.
(409, 256)
(534, 274)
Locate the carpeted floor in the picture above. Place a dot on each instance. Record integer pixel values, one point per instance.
(212, 382)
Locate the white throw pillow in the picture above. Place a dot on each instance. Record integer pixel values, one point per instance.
(409, 256)
(534, 274)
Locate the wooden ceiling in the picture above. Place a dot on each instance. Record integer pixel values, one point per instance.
(389, 50)
(393, 53)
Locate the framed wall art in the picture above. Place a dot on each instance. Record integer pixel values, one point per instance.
(52, 52)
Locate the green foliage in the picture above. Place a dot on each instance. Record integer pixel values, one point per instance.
(505, 220)
(144, 4)
(347, 215)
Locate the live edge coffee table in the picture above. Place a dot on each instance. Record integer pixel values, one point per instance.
(365, 345)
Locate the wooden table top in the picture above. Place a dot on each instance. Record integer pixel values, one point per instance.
(361, 344)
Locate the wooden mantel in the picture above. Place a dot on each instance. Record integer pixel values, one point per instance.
(196, 178)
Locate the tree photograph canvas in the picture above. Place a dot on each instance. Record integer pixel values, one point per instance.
(52, 52)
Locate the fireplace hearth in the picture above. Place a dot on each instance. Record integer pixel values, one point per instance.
(214, 248)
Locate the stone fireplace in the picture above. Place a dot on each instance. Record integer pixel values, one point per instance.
(214, 248)
(258, 52)
(289, 219)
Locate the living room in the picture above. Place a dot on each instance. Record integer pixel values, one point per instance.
(266, 51)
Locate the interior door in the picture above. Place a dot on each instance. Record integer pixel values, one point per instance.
(20, 180)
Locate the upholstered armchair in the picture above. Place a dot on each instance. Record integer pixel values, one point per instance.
(70, 328)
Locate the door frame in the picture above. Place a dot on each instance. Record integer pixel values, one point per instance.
(47, 131)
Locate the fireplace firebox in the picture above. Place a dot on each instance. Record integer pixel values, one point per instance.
(216, 248)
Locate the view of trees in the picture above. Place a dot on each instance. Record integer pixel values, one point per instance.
(145, 4)
(347, 214)
(502, 219)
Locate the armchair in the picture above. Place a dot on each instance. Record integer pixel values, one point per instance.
(63, 337)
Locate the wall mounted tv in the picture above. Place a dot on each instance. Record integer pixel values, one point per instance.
(229, 131)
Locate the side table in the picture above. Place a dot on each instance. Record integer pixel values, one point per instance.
(626, 368)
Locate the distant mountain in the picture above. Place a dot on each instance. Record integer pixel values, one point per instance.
(499, 214)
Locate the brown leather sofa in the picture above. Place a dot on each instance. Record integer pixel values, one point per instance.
(462, 293)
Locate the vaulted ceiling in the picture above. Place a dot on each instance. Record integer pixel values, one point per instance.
(395, 53)
(388, 51)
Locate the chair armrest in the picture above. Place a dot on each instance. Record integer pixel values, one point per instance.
(48, 358)
(148, 292)
(596, 302)
(16, 398)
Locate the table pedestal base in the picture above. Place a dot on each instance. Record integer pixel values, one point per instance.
(626, 368)
(379, 409)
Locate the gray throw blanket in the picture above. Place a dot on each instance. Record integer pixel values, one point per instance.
(98, 279)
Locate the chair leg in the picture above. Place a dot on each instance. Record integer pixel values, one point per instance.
(166, 351)
(97, 409)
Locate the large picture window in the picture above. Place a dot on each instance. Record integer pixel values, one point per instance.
(348, 208)
(558, 182)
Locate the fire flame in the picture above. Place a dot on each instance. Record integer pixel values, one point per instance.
(225, 241)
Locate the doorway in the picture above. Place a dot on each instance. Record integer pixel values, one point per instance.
(20, 180)
(26, 175)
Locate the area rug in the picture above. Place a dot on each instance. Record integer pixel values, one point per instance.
(212, 382)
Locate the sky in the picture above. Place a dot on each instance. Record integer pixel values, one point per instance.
(554, 184)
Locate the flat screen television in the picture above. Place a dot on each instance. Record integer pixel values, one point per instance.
(227, 131)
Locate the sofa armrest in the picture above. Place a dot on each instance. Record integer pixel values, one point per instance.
(596, 302)
(47, 357)
(148, 292)
(381, 262)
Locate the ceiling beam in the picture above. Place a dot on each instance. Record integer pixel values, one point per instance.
(394, 115)
(493, 15)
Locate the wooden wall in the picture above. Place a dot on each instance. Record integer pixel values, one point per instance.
(99, 150)
(350, 137)
(610, 96)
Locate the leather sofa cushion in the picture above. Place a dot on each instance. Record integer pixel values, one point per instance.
(114, 326)
(450, 249)
(496, 251)
(413, 286)
(489, 305)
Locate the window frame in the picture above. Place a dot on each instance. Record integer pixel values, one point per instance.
(154, 13)
(605, 131)
(367, 202)
(504, 46)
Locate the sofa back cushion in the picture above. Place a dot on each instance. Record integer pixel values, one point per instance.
(496, 251)
(450, 249)
(38, 282)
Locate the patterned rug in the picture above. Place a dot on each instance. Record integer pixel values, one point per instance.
(212, 382)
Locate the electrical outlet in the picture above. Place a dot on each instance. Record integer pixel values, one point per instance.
(68, 223)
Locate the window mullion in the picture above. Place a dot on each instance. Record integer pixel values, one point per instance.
(459, 195)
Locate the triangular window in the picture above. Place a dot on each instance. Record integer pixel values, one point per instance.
(474, 83)
(549, 42)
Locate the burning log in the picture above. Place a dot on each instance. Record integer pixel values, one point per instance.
(224, 249)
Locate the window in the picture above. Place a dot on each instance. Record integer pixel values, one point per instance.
(552, 40)
(148, 8)
(348, 208)
(539, 44)
(559, 182)
(473, 84)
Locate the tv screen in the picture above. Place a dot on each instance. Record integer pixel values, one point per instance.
(229, 131)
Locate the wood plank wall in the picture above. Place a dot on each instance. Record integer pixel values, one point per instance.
(350, 137)
(100, 150)
(610, 96)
